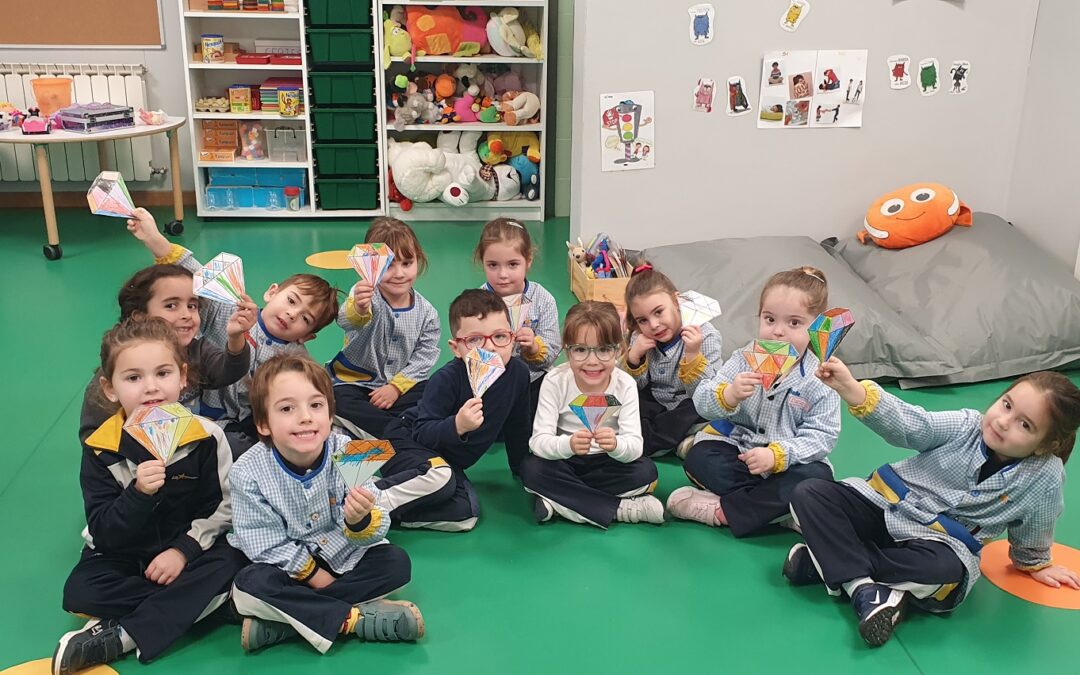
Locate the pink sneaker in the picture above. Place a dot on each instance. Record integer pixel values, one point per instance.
(690, 503)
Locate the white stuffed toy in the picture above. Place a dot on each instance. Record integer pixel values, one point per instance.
(505, 32)
(449, 171)
(503, 181)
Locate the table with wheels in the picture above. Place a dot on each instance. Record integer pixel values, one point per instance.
(39, 142)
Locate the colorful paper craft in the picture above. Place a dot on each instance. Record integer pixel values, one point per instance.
(484, 368)
(697, 309)
(828, 330)
(371, 261)
(221, 279)
(358, 461)
(772, 359)
(109, 196)
(159, 428)
(595, 409)
(520, 309)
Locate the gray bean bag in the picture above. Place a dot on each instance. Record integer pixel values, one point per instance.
(881, 345)
(987, 294)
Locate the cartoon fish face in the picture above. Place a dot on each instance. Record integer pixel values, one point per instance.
(912, 215)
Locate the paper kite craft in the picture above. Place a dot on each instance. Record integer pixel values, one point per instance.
(520, 312)
(772, 359)
(595, 409)
(108, 196)
(359, 460)
(221, 279)
(371, 261)
(159, 428)
(828, 330)
(697, 309)
(484, 368)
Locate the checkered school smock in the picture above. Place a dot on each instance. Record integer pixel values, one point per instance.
(544, 321)
(671, 381)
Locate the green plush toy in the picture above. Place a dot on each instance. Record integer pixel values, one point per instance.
(396, 41)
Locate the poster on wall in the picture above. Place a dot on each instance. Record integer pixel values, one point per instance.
(627, 131)
(812, 89)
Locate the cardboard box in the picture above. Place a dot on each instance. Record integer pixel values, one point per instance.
(606, 290)
(219, 155)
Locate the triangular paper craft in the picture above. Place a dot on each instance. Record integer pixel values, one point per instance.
(520, 308)
(371, 261)
(595, 409)
(109, 196)
(159, 428)
(772, 359)
(484, 368)
(697, 309)
(358, 461)
(828, 330)
(221, 279)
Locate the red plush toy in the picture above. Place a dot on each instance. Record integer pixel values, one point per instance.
(395, 194)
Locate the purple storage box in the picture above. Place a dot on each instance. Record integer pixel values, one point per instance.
(88, 118)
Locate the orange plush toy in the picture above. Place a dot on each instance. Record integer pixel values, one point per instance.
(913, 215)
(437, 30)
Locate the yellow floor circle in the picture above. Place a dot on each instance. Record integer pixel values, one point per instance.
(329, 260)
(44, 667)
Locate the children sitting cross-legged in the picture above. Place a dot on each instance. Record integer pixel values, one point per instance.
(321, 561)
(590, 474)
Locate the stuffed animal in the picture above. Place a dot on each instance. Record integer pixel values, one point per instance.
(448, 115)
(423, 173)
(503, 182)
(445, 86)
(474, 31)
(508, 81)
(505, 32)
(468, 75)
(434, 30)
(394, 195)
(464, 106)
(529, 172)
(486, 111)
(913, 215)
(396, 41)
(577, 253)
(532, 48)
(501, 146)
(416, 108)
(519, 107)
(459, 150)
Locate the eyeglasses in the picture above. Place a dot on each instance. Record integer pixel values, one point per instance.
(500, 338)
(581, 352)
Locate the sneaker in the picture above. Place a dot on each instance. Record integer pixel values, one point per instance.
(879, 608)
(688, 503)
(390, 621)
(542, 509)
(684, 446)
(799, 567)
(259, 633)
(643, 509)
(80, 649)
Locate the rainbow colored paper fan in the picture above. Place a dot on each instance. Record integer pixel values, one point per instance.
(371, 261)
(358, 461)
(484, 368)
(828, 330)
(520, 309)
(159, 428)
(595, 409)
(772, 359)
(221, 279)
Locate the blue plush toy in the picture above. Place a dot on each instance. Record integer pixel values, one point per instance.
(530, 176)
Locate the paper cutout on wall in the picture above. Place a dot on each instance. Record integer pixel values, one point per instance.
(929, 77)
(109, 196)
(484, 368)
(701, 24)
(793, 17)
(697, 309)
(899, 71)
(159, 428)
(595, 409)
(737, 101)
(359, 460)
(221, 279)
(828, 330)
(371, 261)
(959, 75)
(772, 359)
(704, 94)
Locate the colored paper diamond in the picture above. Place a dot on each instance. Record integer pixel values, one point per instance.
(358, 461)
(697, 309)
(159, 428)
(109, 196)
(221, 279)
(520, 309)
(371, 261)
(828, 330)
(484, 368)
(772, 359)
(595, 409)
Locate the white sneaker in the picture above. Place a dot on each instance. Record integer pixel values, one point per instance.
(643, 509)
(690, 503)
(684, 446)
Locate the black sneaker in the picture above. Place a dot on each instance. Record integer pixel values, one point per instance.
(879, 608)
(799, 567)
(542, 509)
(91, 646)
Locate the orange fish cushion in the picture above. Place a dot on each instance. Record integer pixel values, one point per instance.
(913, 215)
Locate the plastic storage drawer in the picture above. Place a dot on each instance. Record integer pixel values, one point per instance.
(346, 159)
(341, 46)
(344, 124)
(338, 89)
(339, 12)
(336, 194)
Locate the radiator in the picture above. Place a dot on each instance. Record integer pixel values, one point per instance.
(118, 84)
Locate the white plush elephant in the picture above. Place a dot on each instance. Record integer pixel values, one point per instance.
(450, 171)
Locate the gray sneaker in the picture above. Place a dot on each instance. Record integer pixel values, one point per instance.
(390, 621)
(259, 633)
(80, 649)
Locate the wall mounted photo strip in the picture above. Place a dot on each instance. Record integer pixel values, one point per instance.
(359, 460)
(108, 196)
(371, 261)
(483, 368)
(595, 409)
(159, 428)
(702, 24)
(220, 279)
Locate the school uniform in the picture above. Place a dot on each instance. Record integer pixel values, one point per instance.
(666, 389)
(384, 345)
(291, 523)
(543, 319)
(424, 483)
(586, 488)
(126, 529)
(798, 418)
(919, 524)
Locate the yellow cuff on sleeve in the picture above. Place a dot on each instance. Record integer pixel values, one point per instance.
(780, 455)
(873, 397)
(176, 251)
(356, 318)
(1034, 568)
(402, 383)
(307, 570)
(369, 531)
(690, 371)
(640, 370)
(720, 397)
(541, 351)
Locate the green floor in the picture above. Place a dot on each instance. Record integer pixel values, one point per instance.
(510, 597)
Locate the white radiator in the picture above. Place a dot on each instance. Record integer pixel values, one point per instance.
(118, 84)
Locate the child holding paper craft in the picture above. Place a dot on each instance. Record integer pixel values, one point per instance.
(391, 337)
(774, 423)
(295, 310)
(506, 252)
(669, 359)
(912, 532)
(165, 291)
(155, 559)
(586, 463)
(424, 483)
(320, 558)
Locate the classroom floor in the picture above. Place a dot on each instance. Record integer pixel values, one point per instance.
(509, 597)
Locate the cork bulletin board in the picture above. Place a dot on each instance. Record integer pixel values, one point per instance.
(119, 24)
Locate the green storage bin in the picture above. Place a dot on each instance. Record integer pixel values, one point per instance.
(342, 89)
(341, 46)
(339, 12)
(337, 194)
(347, 159)
(344, 124)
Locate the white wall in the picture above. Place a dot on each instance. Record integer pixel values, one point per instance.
(717, 176)
(164, 89)
(1046, 176)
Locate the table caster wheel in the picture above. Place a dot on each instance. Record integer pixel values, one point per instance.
(174, 227)
(52, 251)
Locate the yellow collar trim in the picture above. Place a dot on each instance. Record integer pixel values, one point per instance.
(107, 436)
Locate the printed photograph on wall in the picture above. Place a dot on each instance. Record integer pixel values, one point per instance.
(627, 131)
(828, 85)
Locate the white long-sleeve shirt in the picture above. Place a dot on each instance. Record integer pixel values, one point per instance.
(555, 422)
